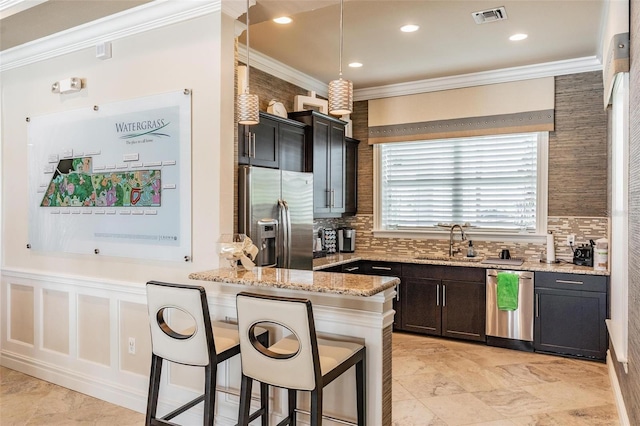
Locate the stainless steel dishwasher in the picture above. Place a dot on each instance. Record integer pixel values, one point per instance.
(510, 329)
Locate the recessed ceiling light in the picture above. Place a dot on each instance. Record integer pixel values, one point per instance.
(283, 20)
(409, 28)
(518, 37)
(355, 64)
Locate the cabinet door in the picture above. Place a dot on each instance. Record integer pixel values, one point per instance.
(293, 149)
(397, 306)
(464, 310)
(421, 310)
(571, 322)
(351, 176)
(321, 161)
(337, 169)
(258, 145)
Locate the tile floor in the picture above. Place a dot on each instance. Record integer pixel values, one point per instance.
(448, 382)
(435, 382)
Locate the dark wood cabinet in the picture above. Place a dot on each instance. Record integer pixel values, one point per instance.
(570, 313)
(421, 309)
(293, 147)
(444, 301)
(464, 310)
(326, 135)
(390, 269)
(274, 142)
(351, 176)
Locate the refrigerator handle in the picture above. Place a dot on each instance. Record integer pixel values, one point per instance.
(288, 242)
(285, 234)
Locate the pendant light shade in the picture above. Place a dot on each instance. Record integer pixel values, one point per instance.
(340, 97)
(340, 90)
(248, 104)
(248, 109)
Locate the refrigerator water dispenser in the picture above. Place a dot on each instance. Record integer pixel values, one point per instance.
(267, 235)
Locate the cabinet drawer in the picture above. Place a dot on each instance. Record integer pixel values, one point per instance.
(353, 268)
(565, 281)
(391, 269)
(441, 272)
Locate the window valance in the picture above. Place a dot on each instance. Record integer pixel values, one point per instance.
(514, 107)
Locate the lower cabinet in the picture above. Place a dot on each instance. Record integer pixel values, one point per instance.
(464, 310)
(421, 309)
(368, 267)
(570, 314)
(444, 301)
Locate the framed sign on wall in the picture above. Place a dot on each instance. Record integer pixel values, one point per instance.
(114, 179)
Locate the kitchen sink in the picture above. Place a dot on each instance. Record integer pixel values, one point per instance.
(498, 261)
(449, 259)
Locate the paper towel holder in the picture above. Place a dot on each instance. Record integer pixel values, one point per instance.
(547, 260)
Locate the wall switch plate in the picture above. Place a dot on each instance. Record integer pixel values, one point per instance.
(132, 345)
(571, 240)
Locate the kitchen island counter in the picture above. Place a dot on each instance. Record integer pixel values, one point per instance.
(355, 307)
(292, 279)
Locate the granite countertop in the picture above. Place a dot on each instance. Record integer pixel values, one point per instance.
(293, 279)
(343, 258)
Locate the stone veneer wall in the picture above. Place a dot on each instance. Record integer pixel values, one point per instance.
(578, 148)
(630, 382)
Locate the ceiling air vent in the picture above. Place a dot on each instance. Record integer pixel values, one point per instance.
(491, 15)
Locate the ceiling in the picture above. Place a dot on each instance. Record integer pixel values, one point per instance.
(448, 42)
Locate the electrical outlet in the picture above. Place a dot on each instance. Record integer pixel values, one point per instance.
(132, 345)
(571, 240)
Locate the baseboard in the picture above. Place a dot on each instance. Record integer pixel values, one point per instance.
(124, 396)
(617, 393)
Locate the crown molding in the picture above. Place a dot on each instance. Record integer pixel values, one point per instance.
(284, 72)
(140, 19)
(505, 75)
(11, 7)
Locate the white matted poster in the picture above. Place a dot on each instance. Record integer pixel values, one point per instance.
(114, 179)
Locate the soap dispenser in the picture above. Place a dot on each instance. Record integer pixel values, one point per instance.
(470, 251)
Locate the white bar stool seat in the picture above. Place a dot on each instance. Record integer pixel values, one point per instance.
(204, 343)
(300, 361)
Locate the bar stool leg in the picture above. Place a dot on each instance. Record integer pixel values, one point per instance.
(293, 396)
(316, 407)
(154, 388)
(245, 400)
(361, 386)
(210, 372)
(264, 402)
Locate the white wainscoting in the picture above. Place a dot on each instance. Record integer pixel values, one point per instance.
(73, 331)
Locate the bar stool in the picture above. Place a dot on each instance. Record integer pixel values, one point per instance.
(204, 344)
(300, 361)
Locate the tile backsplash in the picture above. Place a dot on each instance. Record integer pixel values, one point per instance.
(584, 228)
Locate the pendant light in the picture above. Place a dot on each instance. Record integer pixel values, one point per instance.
(248, 104)
(341, 91)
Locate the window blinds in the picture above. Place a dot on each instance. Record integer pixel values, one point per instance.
(489, 182)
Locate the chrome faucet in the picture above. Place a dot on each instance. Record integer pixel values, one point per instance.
(463, 238)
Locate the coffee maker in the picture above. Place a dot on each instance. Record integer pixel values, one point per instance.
(346, 240)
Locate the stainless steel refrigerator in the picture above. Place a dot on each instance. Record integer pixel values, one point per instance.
(275, 209)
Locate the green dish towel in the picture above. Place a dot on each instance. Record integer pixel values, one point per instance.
(507, 291)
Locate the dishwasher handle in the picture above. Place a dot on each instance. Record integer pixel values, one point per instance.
(521, 277)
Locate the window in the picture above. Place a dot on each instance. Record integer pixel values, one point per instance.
(495, 183)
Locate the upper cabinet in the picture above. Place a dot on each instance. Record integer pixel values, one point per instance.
(274, 142)
(326, 135)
